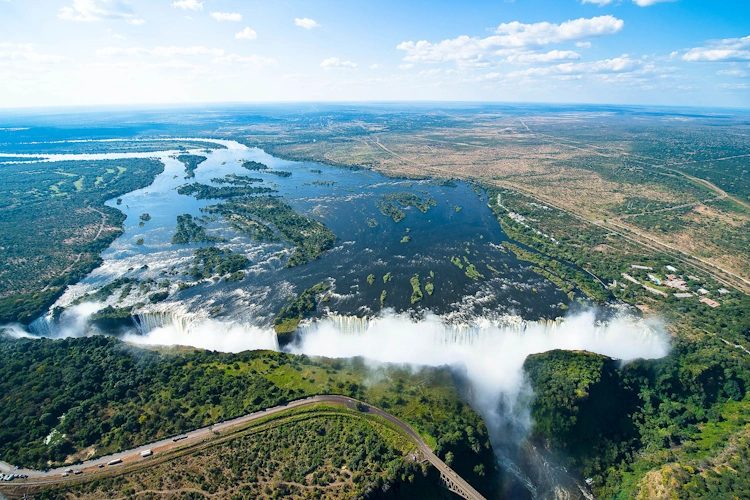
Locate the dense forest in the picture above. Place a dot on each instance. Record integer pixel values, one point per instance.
(54, 224)
(60, 399)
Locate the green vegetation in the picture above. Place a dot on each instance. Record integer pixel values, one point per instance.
(139, 241)
(429, 288)
(383, 296)
(191, 163)
(190, 232)
(115, 396)
(320, 183)
(457, 262)
(237, 180)
(145, 217)
(458, 209)
(326, 450)
(278, 173)
(406, 199)
(406, 239)
(416, 294)
(158, 296)
(370, 279)
(254, 166)
(212, 260)
(206, 192)
(310, 237)
(387, 277)
(50, 238)
(390, 210)
(106, 291)
(316, 171)
(372, 223)
(471, 270)
(290, 315)
(261, 167)
(558, 270)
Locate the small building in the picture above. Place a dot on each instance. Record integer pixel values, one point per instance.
(709, 302)
(683, 295)
(674, 282)
(671, 268)
(702, 291)
(723, 291)
(644, 268)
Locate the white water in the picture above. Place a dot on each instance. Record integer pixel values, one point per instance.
(492, 353)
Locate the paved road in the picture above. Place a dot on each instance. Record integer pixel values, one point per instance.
(200, 435)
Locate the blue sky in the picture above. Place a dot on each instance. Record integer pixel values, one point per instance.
(93, 52)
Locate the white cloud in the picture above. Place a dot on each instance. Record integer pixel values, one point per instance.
(335, 62)
(160, 51)
(99, 10)
(600, 3)
(137, 22)
(375, 66)
(728, 49)
(510, 35)
(620, 64)
(734, 86)
(188, 5)
(306, 23)
(583, 45)
(227, 16)
(406, 66)
(28, 52)
(246, 34)
(647, 3)
(551, 56)
(254, 60)
(732, 72)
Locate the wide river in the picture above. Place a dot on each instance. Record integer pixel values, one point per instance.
(484, 326)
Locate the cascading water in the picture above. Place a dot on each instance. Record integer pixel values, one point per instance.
(489, 354)
(180, 320)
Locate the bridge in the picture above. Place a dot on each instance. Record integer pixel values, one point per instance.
(92, 468)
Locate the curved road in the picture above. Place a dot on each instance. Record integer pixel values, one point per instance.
(200, 435)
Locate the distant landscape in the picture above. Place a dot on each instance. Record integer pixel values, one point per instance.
(647, 225)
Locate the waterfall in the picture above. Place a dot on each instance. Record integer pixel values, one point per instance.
(441, 332)
(41, 327)
(182, 321)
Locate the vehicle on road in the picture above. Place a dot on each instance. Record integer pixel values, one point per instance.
(146, 453)
(115, 461)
